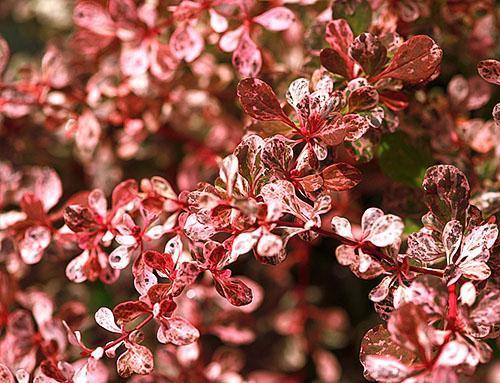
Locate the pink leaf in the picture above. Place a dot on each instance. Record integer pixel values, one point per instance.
(269, 245)
(123, 193)
(247, 58)
(385, 230)
(243, 243)
(276, 19)
(163, 63)
(136, 360)
(178, 331)
(277, 154)
(382, 358)
(120, 257)
(342, 226)
(386, 369)
(88, 132)
(297, 90)
(91, 15)
(134, 59)
(4, 54)
(36, 240)
(327, 366)
(75, 271)
(424, 247)
(186, 43)
(231, 39)
(408, 327)
(452, 236)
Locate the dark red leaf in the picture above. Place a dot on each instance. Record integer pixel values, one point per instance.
(446, 192)
(415, 61)
(489, 70)
(259, 101)
(159, 261)
(128, 311)
(340, 176)
(335, 62)
(363, 98)
(79, 218)
(234, 290)
(369, 52)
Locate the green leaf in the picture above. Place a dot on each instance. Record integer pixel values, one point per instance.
(403, 160)
(357, 13)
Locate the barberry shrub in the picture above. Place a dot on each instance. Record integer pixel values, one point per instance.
(190, 191)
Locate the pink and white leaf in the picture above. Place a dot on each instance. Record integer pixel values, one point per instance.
(36, 240)
(75, 271)
(385, 230)
(218, 22)
(247, 58)
(120, 257)
(105, 318)
(231, 39)
(134, 59)
(136, 360)
(186, 43)
(276, 19)
(178, 331)
(92, 16)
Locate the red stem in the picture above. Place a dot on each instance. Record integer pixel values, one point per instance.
(452, 307)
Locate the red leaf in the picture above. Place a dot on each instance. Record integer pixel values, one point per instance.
(50, 369)
(79, 218)
(369, 52)
(340, 176)
(336, 63)
(5, 374)
(415, 61)
(159, 292)
(234, 290)
(158, 261)
(259, 101)
(363, 98)
(340, 38)
(489, 70)
(339, 35)
(395, 101)
(128, 311)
